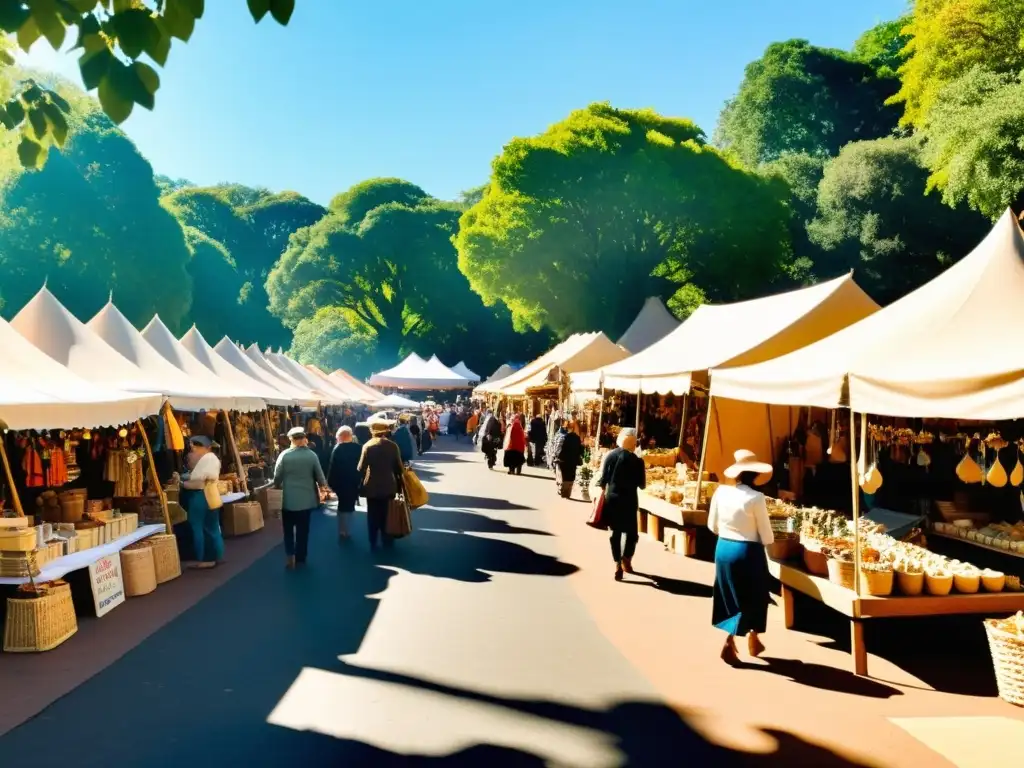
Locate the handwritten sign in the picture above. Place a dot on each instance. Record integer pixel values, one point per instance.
(107, 584)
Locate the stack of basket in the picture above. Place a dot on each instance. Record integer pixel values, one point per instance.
(42, 621)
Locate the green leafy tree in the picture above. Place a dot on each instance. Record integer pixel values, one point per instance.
(948, 38)
(883, 47)
(580, 224)
(874, 217)
(802, 174)
(334, 338)
(799, 98)
(116, 38)
(252, 227)
(90, 223)
(974, 147)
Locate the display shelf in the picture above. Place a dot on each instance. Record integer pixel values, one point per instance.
(978, 544)
(857, 609)
(673, 513)
(61, 566)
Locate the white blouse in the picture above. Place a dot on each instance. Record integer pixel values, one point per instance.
(207, 468)
(739, 513)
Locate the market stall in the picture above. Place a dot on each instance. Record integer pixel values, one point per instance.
(461, 369)
(921, 357)
(344, 377)
(348, 386)
(415, 373)
(653, 323)
(490, 383)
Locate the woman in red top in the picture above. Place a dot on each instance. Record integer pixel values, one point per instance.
(515, 447)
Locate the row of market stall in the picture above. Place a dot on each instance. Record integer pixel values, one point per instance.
(95, 418)
(838, 393)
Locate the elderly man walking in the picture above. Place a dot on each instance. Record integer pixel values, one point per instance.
(299, 474)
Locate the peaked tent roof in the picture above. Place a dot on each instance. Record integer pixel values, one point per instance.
(727, 335)
(416, 373)
(652, 324)
(184, 391)
(50, 327)
(230, 352)
(256, 357)
(461, 369)
(503, 371)
(37, 392)
(950, 349)
(352, 393)
(580, 352)
(332, 395)
(395, 401)
(201, 350)
(345, 376)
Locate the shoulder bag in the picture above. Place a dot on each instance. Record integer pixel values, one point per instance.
(212, 493)
(597, 519)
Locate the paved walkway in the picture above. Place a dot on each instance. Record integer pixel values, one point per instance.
(495, 635)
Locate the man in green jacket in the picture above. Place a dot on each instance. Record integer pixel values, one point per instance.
(299, 475)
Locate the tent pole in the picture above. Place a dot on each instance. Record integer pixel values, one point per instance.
(855, 493)
(703, 452)
(269, 429)
(234, 452)
(10, 478)
(600, 413)
(155, 477)
(771, 434)
(639, 395)
(682, 421)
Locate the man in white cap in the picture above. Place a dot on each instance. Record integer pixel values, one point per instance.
(299, 474)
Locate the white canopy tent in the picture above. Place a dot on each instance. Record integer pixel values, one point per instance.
(579, 352)
(503, 371)
(340, 375)
(395, 401)
(185, 392)
(255, 356)
(37, 392)
(726, 335)
(950, 349)
(353, 393)
(461, 369)
(332, 394)
(200, 349)
(652, 324)
(418, 374)
(230, 352)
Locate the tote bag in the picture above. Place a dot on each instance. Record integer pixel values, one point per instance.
(415, 494)
(212, 494)
(398, 524)
(597, 519)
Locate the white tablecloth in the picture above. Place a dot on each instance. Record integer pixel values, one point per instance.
(56, 569)
(230, 498)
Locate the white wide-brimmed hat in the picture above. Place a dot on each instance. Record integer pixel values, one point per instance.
(746, 461)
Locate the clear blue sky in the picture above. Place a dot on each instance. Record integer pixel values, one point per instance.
(430, 90)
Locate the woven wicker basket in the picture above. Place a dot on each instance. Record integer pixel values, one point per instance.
(138, 570)
(840, 572)
(910, 584)
(877, 583)
(815, 562)
(1008, 661)
(40, 624)
(785, 548)
(165, 557)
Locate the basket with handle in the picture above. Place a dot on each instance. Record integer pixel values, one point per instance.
(40, 623)
(138, 570)
(1006, 643)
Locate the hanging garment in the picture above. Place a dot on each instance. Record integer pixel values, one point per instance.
(32, 463)
(57, 471)
(173, 438)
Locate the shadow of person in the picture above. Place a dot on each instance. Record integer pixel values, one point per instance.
(822, 676)
(463, 521)
(445, 500)
(675, 586)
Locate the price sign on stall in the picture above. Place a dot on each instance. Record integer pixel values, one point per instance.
(107, 584)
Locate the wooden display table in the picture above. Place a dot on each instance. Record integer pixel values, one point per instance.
(654, 512)
(858, 609)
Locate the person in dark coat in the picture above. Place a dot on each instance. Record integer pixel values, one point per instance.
(622, 476)
(538, 437)
(380, 470)
(362, 433)
(403, 438)
(490, 439)
(567, 455)
(343, 477)
(414, 430)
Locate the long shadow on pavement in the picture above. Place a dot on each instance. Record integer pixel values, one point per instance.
(463, 521)
(472, 502)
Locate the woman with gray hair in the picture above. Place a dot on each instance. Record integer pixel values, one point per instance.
(343, 477)
(622, 476)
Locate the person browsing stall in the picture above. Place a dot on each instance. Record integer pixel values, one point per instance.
(299, 475)
(207, 539)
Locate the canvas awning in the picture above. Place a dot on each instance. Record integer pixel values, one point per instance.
(489, 384)
(653, 323)
(353, 394)
(727, 335)
(418, 374)
(950, 349)
(230, 351)
(395, 401)
(185, 391)
(580, 352)
(461, 369)
(37, 392)
(201, 350)
(331, 394)
(343, 376)
(255, 356)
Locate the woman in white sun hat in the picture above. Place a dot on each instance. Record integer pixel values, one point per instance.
(739, 517)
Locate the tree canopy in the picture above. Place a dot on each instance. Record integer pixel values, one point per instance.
(244, 231)
(883, 47)
(113, 37)
(799, 98)
(580, 224)
(874, 217)
(90, 223)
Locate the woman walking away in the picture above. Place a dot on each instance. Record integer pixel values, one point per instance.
(567, 455)
(515, 447)
(490, 439)
(403, 439)
(343, 478)
(207, 540)
(739, 517)
(538, 435)
(622, 475)
(298, 473)
(380, 467)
